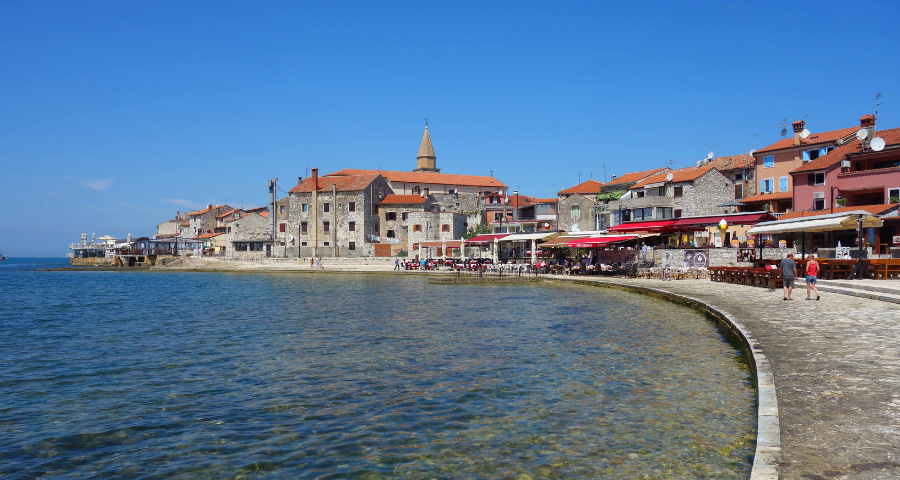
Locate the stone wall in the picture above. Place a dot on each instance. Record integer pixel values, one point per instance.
(250, 228)
(718, 257)
(585, 220)
(701, 196)
(470, 205)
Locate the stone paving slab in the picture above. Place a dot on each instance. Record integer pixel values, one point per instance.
(836, 369)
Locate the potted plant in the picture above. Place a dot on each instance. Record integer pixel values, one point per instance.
(841, 202)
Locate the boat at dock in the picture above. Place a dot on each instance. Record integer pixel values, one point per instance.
(2, 256)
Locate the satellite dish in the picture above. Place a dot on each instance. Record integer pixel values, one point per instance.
(877, 144)
(839, 141)
(804, 133)
(710, 155)
(669, 177)
(752, 151)
(862, 134)
(783, 132)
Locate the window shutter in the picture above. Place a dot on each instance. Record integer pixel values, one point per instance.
(811, 179)
(782, 184)
(806, 155)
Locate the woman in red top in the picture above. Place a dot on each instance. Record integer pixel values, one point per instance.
(812, 273)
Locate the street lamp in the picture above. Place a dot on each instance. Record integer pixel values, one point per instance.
(832, 197)
(831, 233)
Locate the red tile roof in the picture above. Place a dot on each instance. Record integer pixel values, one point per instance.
(449, 179)
(590, 186)
(812, 139)
(186, 224)
(733, 162)
(201, 212)
(402, 200)
(766, 197)
(872, 209)
(680, 175)
(209, 235)
(343, 183)
(634, 176)
(544, 200)
(891, 137)
(264, 213)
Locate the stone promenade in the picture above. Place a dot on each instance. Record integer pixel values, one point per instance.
(836, 369)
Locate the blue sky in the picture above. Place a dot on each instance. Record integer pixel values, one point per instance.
(115, 115)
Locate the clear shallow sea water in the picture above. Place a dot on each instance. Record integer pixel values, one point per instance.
(212, 375)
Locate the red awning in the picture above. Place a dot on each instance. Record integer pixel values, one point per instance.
(598, 241)
(712, 221)
(486, 238)
(651, 226)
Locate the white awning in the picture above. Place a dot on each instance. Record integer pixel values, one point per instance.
(818, 223)
(522, 237)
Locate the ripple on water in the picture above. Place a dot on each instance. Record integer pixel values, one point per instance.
(167, 375)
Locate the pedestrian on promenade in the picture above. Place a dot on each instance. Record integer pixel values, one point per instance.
(812, 274)
(397, 264)
(644, 249)
(788, 274)
(311, 262)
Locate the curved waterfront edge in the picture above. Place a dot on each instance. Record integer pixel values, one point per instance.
(768, 437)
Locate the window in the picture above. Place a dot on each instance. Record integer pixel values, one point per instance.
(893, 195)
(326, 207)
(390, 216)
(352, 245)
(405, 216)
(282, 227)
(281, 209)
(240, 247)
(738, 191)
(445, 227)
(256, 246)
(417, 228)
(352, 208)
(768, 161)
(767, 185)
(229, 229)
(303, 227)
(302, 244)
(576, 211)
(678, 191)
(326, 243)
(782, 184)
(662, 191)
(351, 226)
(640, 194)
(676, 213)
(390, 234)
(451, 192)
(663, 212)
(816, 178)
(326, 227)
(819, 204)
(642, 213)
(738, 176)
(304, 207)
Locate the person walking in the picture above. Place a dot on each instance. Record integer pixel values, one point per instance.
(812, 274)
(397, 264)
(644, 249)
(788, 274)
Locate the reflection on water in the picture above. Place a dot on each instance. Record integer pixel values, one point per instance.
(190, 375)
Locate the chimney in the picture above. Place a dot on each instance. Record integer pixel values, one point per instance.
(867, 122)
(798, 127)
(426, 193)
(315, 178)
(299, 180)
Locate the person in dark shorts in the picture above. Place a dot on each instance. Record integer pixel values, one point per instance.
(788, 273)
(812, 276)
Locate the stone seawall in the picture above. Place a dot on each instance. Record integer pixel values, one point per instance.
(92, 262)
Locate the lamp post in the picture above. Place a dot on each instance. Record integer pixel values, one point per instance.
(831, 233)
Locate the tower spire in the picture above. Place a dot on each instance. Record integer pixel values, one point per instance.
(426, 161)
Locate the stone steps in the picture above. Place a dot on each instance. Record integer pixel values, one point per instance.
(884, 290)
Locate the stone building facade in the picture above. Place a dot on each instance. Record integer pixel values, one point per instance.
(469, 204)
(249, 237)
(576, 213)
(433, 226)
(334, 216)
(685, 192)
(203, 221)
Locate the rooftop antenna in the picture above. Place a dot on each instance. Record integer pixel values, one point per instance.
(784, 127)
(579, 176)
(754, 141)
(604, 169)
(492, 173)
(877, 103)
(670, 162)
